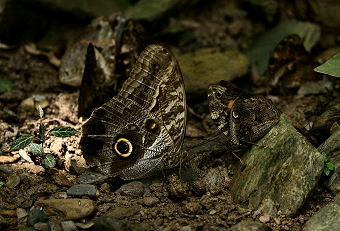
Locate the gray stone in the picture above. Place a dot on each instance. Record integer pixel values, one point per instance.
(331, 147)
(82, 190)
(215, 180)
(283, 168)
(324, 122)
(327, 218)
(12, 181)
(123, 212)
(210, 65)
(21, 213)
(55, 226)
(69, 226)
(132, 189)
(249, 225)
(192, 208)
(91, 178)
(35, 216)
(42, 226)
(150, 201)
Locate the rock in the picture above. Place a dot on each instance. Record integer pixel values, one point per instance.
(331, 147)
(324, 122)
(199, 187)
(215, 180)
(123, 212)
(249, 225)
(315, 87)
(42, 226)
(27, 105)
(132, 189)
(154, 10)
(82, 190)
(55, 226)
(12, 181)
(35, 216)
(85, 225)
(3, 222)
(177, 187)
(327, 218)
(91, 178)
(69, 226)
(325, 12)
(283, 168)
(192, 208)
(210, 65)
(8, 159)
(21, 213)
(186, 228)
(150, 201)
(108, 223)
(68, 209)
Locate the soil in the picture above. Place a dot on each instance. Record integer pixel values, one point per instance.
(171, 201)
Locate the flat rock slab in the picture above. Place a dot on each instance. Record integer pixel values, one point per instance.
(332, 149)
(281, 169)
(327, 218)
(82, 190)
(210, 65)
(68, 209)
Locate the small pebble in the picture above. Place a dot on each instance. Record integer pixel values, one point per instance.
(21, 213)
(35, 216)
(82, 190)
(24, 155)
(177, 187)
(42, 226)
(12, 181)
(192, 208)
(132, 189)
(68, 226)
(55, 226)
(150, 201)
(264, 218)
(186, 228)
(91, 178)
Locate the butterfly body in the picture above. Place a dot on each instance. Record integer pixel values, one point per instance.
(241, 117)
(130, 135)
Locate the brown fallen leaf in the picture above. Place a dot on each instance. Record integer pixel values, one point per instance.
(8, 159)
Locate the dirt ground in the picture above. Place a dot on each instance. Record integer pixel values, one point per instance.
(171, 201)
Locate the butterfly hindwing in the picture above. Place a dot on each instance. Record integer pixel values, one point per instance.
(129, 135)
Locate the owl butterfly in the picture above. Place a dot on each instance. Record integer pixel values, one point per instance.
(241, 117)
(131, 135)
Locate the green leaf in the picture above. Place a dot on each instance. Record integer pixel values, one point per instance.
(48, 161)
(41, 112)
(1, 184)
(330, 166)
(326, 171)
(5, 85)
(36, 148)
(22, 142)
(330, 67)
(63, 131)
(42, 130)
(325, 158)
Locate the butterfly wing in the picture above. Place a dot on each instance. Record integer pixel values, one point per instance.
(128, 135)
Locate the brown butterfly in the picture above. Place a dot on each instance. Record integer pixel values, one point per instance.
(243, 118)
(131, 135)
